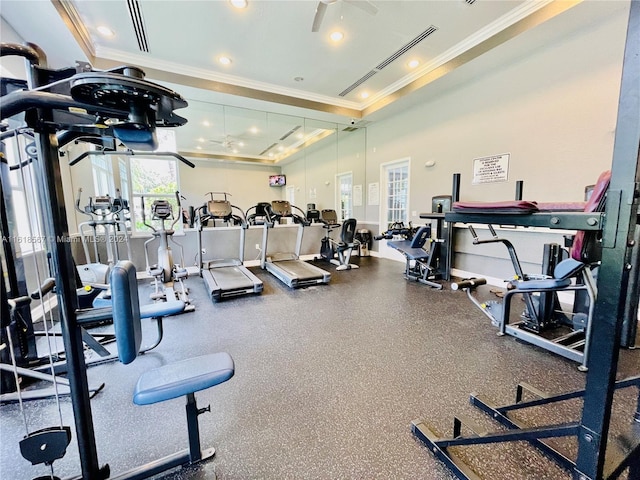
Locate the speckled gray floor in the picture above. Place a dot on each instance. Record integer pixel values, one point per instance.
(328, 380)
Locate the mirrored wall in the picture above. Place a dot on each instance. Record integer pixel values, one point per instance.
(236, 150)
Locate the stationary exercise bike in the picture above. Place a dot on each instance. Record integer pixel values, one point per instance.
(329, 247)
(165, 272)
(329, 220)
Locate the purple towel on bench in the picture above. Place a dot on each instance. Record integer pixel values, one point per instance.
(522, 207)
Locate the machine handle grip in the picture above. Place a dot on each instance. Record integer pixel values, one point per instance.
(385, 236)
(469, 283)
(78, 205)
(46, 287)
(144, 216)
(179, 215)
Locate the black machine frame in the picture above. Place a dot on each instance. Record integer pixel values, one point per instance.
(596, 458)
(77, 98)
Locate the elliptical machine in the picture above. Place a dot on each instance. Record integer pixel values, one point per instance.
(104, 212)
(165, 272)
(329, 220)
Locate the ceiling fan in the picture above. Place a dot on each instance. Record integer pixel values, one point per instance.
(227, 142)
(363, 5)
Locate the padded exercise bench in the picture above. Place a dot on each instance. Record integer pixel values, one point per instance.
(413, 251)
(169, 381)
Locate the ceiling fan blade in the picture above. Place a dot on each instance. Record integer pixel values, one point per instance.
(363, 5)
(317, 20)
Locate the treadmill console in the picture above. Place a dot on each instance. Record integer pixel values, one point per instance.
(219, 208)
(281, 208)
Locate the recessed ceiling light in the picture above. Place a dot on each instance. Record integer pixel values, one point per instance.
(413, 63)
(253, 130)
(300, 136)
(206, 123)
(336, 36)
(224, 60)
(241, 144)
(239, 3)
(235, 150)
(364, 95)
(201, 139)
(271, 154)
(198, 147)
(105, 31)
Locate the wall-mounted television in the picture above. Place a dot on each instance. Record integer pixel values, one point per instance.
(277, 180)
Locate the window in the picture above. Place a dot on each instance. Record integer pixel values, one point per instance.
(396, 192)
(344, 192)
(138, 177)
(152, 179)
(102, 175)
(28, 234)
(124, 178)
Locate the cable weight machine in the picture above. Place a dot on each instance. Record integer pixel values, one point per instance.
(76, 101)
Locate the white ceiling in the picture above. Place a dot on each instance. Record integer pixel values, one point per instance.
(271, 43)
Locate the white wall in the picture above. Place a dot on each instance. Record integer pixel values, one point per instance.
(548, 97)
(12, 67)
(247, 184)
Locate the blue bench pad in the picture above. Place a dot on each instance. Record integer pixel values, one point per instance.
(543, 284)
(158, 309)
(180, 378)
(404, 247)
(161, 309)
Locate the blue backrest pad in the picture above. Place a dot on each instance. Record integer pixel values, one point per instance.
(567, 268)
(126, 310)
(421, 236)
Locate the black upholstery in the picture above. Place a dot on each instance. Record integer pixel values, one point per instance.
(347, 234)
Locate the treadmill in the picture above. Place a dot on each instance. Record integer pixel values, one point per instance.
(226, 277)
(288, 267)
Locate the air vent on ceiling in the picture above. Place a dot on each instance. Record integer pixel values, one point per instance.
(290, 132)
(356, 126)
(268, 148)
(135, 12)
(407, 47)
(470, 2)
(394, 56)
(358, 82)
